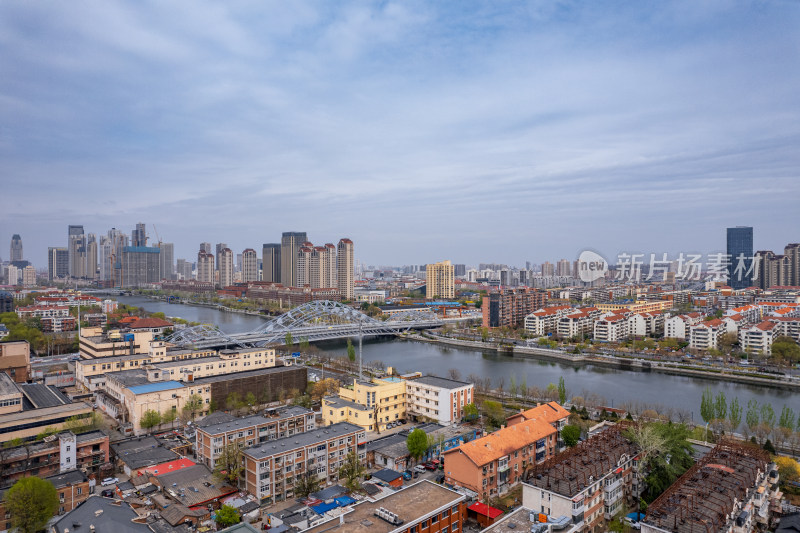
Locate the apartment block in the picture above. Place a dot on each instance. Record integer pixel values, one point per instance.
(677, 327)
(272, 468)
(758, 338)
(251, 431)
(706, 334)
(440, 280)
(586, 485)
(509, 307)
(495, 463)
(439, 399)
(72, 489)
(551, 412)
(731, 489)
(578, 323)
(369, 404)
(544, 321)
(611, 327)
(64, 452)
(638, 306)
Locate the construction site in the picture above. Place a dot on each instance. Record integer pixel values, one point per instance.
(727, 490)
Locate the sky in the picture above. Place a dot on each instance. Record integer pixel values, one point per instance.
(472, 131)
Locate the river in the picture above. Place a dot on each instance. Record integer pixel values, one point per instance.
(616, 386)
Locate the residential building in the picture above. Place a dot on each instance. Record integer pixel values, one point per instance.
(15, 253)
(646, 324)
(42, 311)
(272, 469)
(95, 343)
(303, 265)
(509, 307)
(219, 247)
(249, 265)
(271, 262)
(740, 256)
(57, 263)
(29, 276)
(439, 399)
(251, 431)
(751, 313)
(495, 463)
(194, 487)
(637, 306)
(579, 323)
(205, 267)
(705, 335)
(183, 269)
(551, 412)
(758, 338)
(422, 507)
(677, 327)
(77, 252)
(167, 260)
(586, 485)
(102, 514)
(612, 327)
(369, 404)
(732, 488)
(291, 242)
(140, 265)
(72, 489)
(345, 269)
(15, 360)
(440, 280)
(544, 321)
(225, 262)
(6, 302)
(65, 451)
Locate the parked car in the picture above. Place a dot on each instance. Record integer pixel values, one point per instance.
(108, 493)
(429, 466)
(109, 481)
(407, 475)
(416, 474)
(420, 469)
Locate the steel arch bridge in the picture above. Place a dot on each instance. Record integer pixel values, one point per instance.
(314, 321)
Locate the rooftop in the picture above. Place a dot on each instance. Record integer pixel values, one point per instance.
(301, 440)
(421, 499)
(435, 381)
(550, 412)
(104, 514)
(504, 441)
(7, 385)
(193, 486)
(40, 395)
(339, 403)
(255, 420)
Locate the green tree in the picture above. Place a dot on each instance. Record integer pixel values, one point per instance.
(351, 351)
(306, 484)
(250, 400)
(562, 391)
(707, 406)
(150, 419)
(417, 443)
(675, 458)
(571, 434)
(289, 340)
(494, 413)
(226, 516)
(351, 470)
(169, 416)
(229, 464)
(734, 414)
(786, 349)
(786, 422)
(470, 412)
(302, 400)
(31, 503)
(767, 422)
(193, 406)
(752, 416)
(720, 411)
(304, 344)
(233, 401)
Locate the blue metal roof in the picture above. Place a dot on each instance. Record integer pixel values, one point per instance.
(324, 507)
(155, 387)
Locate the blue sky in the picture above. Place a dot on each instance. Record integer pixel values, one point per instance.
(495, 131)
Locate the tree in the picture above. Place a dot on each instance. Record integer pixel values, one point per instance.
(351, 470)
(571, 434)
(788, 468)
(150, 419)
(250, 400)
(169, 416)
(417, 444)
(752, 416)
(785, 424)
(707, 406)
(726, 342)
(734, 414)
(454, 374)
(233, 401)
(470, 412)
(720, 411)
(650, 443)
(229, 464)
(786, 349)
(767, 422)
(493, 411)
(306, 484)
(562, 391)
(351, 351)
(324, 388)
(302, 400)
(193, 405)
(289, 340)
(226, 516)
(676, 457)
(31, 503)
(304, 344)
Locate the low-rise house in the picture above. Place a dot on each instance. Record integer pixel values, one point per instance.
(550, 412)
(72, 488)
(272, 468)
(730, 489)
(195, 487)
(370, 404)
(586, 485)
(495, 463)
(102, 514)
(60, 453)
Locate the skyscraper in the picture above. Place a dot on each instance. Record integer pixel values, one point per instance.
(206, 247)
(16, 248)
(91, 256)
(249, 265)
(220, 246)
(291, 241)
(271, 262)
(139, 235)
(440, 280)
(205, 266)
(184, 269)
(140, 265)
(225, 267)
(57, 263)
(167, 256)
(77, 251)
(740, 254)
(345, 269)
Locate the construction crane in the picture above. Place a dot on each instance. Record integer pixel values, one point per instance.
(157, 235)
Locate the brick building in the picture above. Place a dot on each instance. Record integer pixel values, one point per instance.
(509, 307)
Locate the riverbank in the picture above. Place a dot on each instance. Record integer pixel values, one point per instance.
(218, 307)
(611, 362)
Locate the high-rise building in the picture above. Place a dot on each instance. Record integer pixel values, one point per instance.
(206, 247)
(563, 268)
(548, 269)
(271, 262)
(184, 269)
(779, 270)
(249, 265)
(16, 248)
(167, 257)
(140, 265)
(13, 276)
(440, 280)
(291, 241)
(77, 251)
(57, 263)
(740, 254)
(220, 246)
(29, 276)
(328, 267)
(139, 235)
(91, 256)
(225, 267)
(345, 267)
(205, 266)
(303, 265)
(460, 270)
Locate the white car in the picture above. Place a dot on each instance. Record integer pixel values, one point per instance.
(109, 481)
(420, 469)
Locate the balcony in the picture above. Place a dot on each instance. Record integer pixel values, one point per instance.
(611, 487)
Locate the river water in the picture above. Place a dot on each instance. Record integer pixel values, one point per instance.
(616, 386)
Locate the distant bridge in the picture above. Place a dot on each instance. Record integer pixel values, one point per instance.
(315, 321)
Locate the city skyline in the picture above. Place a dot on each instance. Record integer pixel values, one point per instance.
(422, 132)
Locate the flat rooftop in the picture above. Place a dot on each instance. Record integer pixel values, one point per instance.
(436, 381)
(301, 440)
(255, 420)
(410, 504)
(339, 403)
